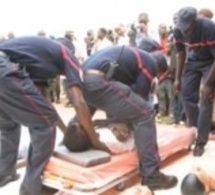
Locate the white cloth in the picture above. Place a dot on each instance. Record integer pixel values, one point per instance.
(101, 44)
(123, 40)
(106, 136)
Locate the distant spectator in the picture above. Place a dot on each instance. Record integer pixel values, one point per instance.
(132, 35)
(79, 53)
(163, 34)
(121, 38)
(102, 40)
(143, 29)
(110, 36)
(42, 33)
(89, 41)
(11, 35)
(70, 35)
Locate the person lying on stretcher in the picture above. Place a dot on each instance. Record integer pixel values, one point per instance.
(200, 181)
(118, 137)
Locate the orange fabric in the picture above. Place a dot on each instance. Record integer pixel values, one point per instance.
(164, 45)
(94, 177)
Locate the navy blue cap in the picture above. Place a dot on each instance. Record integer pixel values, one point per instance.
(149, 45)
(160, 60)
(186, 17)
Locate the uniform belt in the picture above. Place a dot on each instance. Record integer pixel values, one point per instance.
(2, 54)
(93, 71)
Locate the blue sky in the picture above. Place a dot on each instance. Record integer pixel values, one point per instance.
(56, 16)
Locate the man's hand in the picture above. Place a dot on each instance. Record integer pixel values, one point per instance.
(100, 146)
(207, 93)
(177, 86)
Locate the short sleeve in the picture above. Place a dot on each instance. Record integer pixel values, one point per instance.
(72, 68)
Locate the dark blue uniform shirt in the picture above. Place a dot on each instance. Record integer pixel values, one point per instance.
(43, 58)
(68, 43)
(128, 71)
(200, 44)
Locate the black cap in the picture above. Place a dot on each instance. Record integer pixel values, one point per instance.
(186, 17)
(149, 45)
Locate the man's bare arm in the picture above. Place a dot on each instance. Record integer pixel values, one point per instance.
(84, 117)
(210, 80)
(180, 64)
(208, 89)
(181, 56)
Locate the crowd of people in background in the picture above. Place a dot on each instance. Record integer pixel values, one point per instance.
(167, 104)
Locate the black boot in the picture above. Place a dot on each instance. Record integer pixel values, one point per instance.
(44, 191)
(8, 178)
(24, 191)
(199, 150)
(160, 181)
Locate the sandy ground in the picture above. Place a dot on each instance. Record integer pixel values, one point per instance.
(178, 165)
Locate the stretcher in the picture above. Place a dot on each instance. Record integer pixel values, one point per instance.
(70, 178)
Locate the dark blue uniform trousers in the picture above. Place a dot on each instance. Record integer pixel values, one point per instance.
(120, 102)
(177, 108)
(198, 112)
(22, 104)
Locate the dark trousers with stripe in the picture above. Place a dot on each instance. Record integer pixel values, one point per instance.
(177, 108)
(22, 104)
(119, 101)
(198, 112)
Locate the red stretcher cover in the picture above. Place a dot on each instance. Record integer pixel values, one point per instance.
(65, 175)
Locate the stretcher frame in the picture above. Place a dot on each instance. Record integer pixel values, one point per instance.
(119, 184)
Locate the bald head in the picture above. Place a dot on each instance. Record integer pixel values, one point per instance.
(206, 13)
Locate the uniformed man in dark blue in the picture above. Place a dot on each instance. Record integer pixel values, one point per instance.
(195, 42)
(24, 61)
(118, 80)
